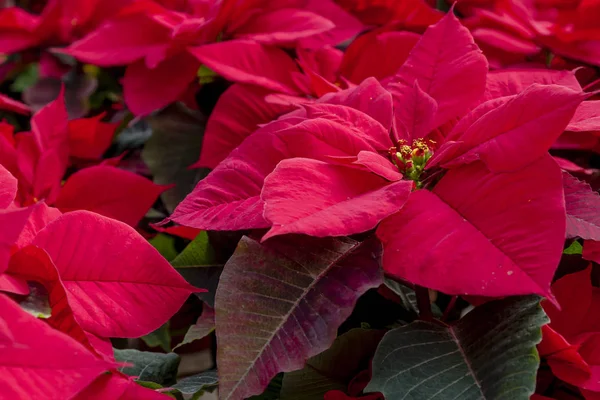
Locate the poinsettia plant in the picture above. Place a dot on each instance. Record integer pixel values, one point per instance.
(298, 200)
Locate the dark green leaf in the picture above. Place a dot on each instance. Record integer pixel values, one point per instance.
(165, 245)
(198, 252)
(206, 277)
(159, 338)
(334, 368)
(25, 79)
(196, 384)
(574, 248)
(489, 354)
(147, 366)
(175, 145)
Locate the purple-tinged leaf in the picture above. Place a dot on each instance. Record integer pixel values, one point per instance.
(582, 204)
(281, 303)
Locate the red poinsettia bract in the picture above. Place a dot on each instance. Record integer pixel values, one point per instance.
(455, 170)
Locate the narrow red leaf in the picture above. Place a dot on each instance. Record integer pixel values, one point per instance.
(6, 103)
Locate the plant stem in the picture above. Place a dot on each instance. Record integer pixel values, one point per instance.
(423, 303)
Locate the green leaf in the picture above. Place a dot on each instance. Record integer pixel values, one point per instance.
(147, 366)
(334, 368)
(206, 277)
(165, 245)
(203, 327)
(442, 5)
(175, 144)
(489, 354)
(196, 385)
(574, 248)
(198, 252)
(159, 338)
(206, 75)
(25, 79)
(37, 303)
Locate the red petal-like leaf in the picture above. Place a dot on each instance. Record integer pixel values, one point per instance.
(582, 204)
(89, 137)
(109, 191)
(8, 188)
(377, 54)
(121, 41)
(237, 114)
(279, 304)
(34, 264)
(586, 118)
(117, 284)
(509, 82)
(20, 226)
(148, 89)
(531, 120)
(117, 386)
(38, 362)
(6, 103)
(228, 198)
(415, 115)
(320, 199)
(448, 66)
(480, 233)
(573, 293)
(283, 26)
(11, 284)
(250, 62)
(369, 97)
(345, 27)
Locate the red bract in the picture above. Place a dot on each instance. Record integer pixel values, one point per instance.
(39, 159)
(510, 31)
(110, 295)
(6, 103)
(167, 45)
(321, 172)
(571, 340)
(61, 21)
(31, 350)
(242, 108)
(415, 14)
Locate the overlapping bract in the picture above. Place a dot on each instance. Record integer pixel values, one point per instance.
(320, 172)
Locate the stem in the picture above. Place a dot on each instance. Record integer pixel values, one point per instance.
(449, 308)
(423, 303)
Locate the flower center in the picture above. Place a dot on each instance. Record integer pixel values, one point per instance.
(411, 160)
